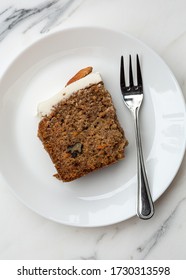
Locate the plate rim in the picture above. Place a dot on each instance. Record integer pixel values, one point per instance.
(72, 29)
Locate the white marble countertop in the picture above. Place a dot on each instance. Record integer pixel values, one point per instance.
(26, 235)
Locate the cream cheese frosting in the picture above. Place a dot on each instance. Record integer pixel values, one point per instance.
(45, 107)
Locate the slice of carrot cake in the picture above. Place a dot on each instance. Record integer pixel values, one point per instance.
(79, 128)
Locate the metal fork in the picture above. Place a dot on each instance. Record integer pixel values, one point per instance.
(133, 97)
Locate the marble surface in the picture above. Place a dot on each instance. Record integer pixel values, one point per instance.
(26, 235)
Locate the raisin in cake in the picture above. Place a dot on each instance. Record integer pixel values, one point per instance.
(79, 128)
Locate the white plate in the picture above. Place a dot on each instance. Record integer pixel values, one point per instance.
(106, 196)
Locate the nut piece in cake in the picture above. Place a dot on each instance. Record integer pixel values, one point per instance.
(79, 127)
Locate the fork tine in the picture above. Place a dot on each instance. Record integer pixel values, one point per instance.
(131, 82)
(139, 77)
(122, 73)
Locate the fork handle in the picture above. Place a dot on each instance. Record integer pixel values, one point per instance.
(145, 206)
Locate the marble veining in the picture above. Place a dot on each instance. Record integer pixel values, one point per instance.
(49, 12)
(92, 257)
(148, 245)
